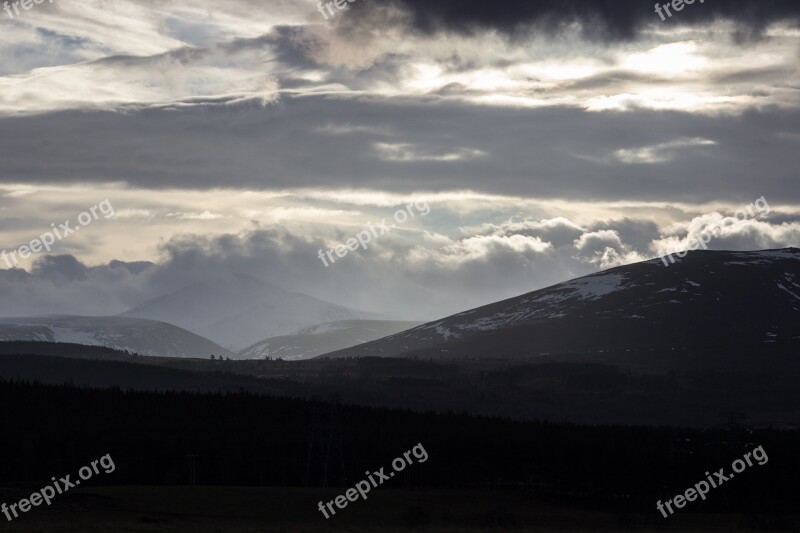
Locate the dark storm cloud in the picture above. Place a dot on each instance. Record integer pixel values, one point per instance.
(64, 266)
(63, 284)
(600, 19)
(135, 267)
(332, 142)
(14, 276)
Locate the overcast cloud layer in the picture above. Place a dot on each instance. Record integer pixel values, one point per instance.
(550, 139)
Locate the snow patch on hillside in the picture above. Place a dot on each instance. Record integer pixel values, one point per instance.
(445, 332)
(595, 287)
(74, 336)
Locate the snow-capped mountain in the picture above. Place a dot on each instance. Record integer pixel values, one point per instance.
(236, 311)
(145, 337)
(322, 338)
(709, 300)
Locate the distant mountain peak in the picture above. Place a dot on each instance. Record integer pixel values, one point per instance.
(237, 310)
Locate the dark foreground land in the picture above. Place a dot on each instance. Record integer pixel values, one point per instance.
(254, 509)
(481, 473)
(756, 387)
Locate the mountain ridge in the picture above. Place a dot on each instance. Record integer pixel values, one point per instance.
(598, 301)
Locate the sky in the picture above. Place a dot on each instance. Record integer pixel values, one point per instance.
(544, 141)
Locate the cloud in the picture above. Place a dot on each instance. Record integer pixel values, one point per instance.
(605, 249)
(183, 55)
(658, 153)
(522, 152)
(617, 20)
(729, 232)
(479, 248)
(205, 215)
(59, 266)
(635, 233)
(558, 231)
(552, 138)
(483, 263)
(412, 152)
(64, 285)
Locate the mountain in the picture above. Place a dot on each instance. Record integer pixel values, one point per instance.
(322, 338)
(146, 337)
(237, 311)
(709, 301)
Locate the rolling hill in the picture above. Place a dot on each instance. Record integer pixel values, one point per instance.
(146, 337)
(709, 300)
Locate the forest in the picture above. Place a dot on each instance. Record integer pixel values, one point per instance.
(245, 439)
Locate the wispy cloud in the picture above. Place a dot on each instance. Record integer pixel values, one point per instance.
(659, 153)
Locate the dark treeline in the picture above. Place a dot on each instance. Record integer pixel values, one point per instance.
(63, 349)
(578, 391)
(246, 439)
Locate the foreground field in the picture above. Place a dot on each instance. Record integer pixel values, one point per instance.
(241, 509)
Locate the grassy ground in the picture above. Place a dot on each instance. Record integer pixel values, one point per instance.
(237, 509)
